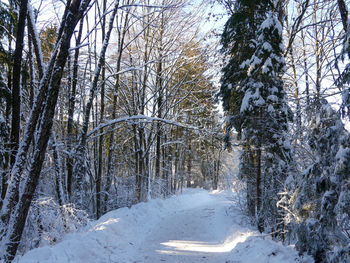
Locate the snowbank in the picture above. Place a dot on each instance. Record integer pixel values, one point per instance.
(118, 231)
(196, 226)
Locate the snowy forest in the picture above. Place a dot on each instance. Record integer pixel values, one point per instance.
(108, 104)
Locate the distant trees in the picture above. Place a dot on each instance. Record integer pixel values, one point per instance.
(105, 107)
(114, 103)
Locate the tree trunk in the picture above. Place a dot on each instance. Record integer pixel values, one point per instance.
(21, 158)
(16, 89)
(251, 180)
(19, 213)
(58, 172)
(71, 105)
(80, 166)
(189, 164)
(159, 87)
(258, 190)
(344, 14)
(31, 71)
(165, 173)
(5, 173)
(121, 39)
(35, 38)
(296, 93)
(102, 109)
(176, 168)
(317, 56)
(306, 72)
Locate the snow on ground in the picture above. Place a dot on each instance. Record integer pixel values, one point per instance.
(196, 226)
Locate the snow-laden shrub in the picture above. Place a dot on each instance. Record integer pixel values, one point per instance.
(311, 239)
(340, 254)
(323, 196)
(47, 222)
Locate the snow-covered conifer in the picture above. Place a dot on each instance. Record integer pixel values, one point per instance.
(319, 204)
(254, 98)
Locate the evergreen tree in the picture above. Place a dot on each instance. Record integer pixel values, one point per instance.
(322, 202)
(255, 98)
(273, 117)
(238, 46)
(238, 40)
(339, 207)
(344, 78)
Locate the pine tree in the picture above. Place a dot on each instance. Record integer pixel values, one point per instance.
(321, 195)
(344, 78)
(255, 97)
(339, 207)
(238, 41)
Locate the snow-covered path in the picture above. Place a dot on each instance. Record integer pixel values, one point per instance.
(200, 234)
(197, 226)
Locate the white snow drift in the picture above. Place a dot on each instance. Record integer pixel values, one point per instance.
(196, 226)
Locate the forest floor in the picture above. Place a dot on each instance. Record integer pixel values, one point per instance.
(196, 226)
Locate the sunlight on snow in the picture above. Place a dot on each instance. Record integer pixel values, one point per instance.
(176, 247)
(104, 224)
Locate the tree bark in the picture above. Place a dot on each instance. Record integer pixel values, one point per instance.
(80, 167)
(317, 55)
(189, 163)
(71, 105)
(306, 72)
(35, 38)
(10, 199)
(16, 85)
(121, 39)
(16, 88)
(58, 172)
(5, 173)
(73, 12)
(258, 190)
(31, 71)
(344, 14)
(102, 109)
(159, 87)
(251, 180)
